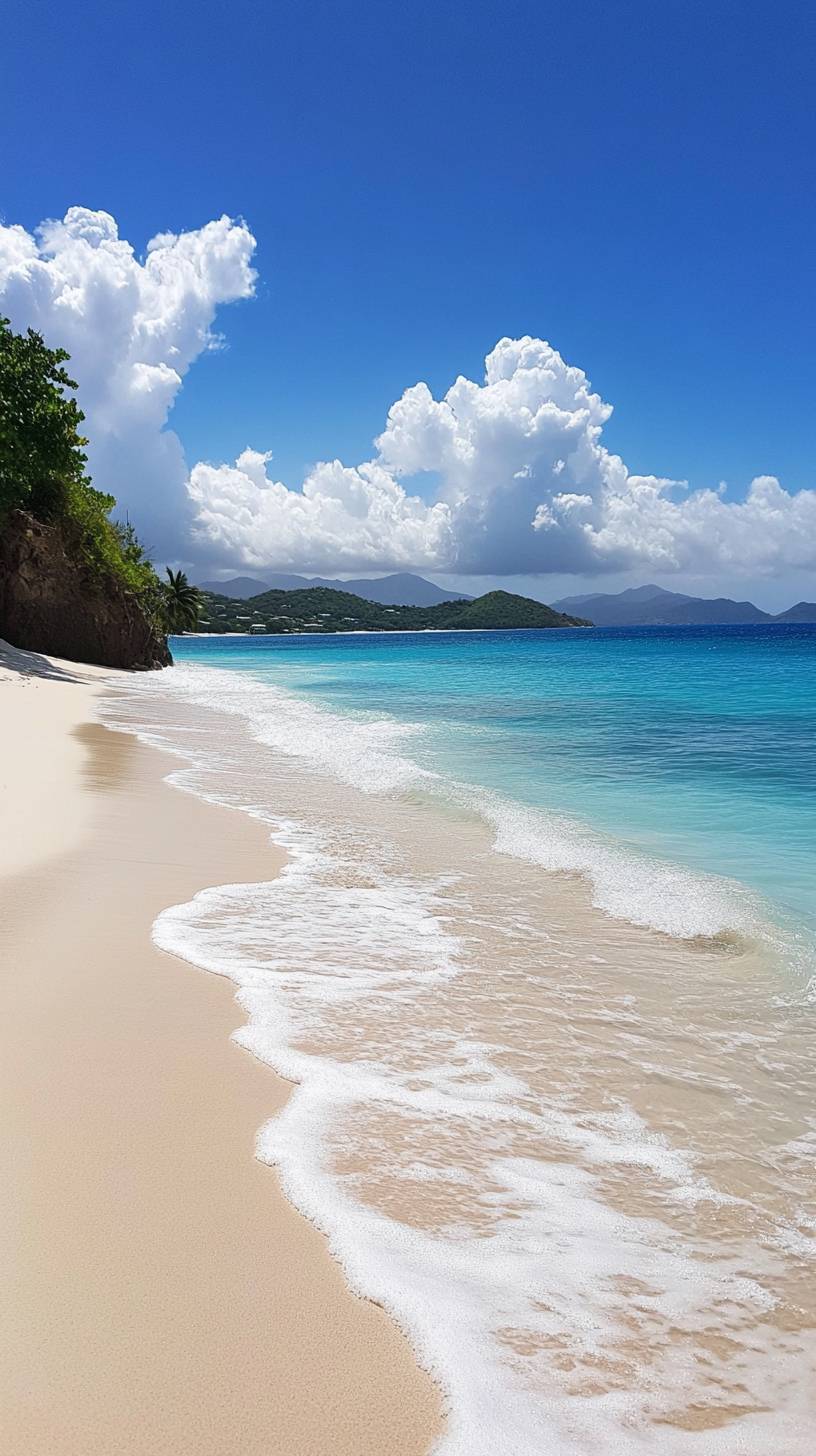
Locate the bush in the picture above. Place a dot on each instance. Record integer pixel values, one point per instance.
(42, 463)
(40, 444)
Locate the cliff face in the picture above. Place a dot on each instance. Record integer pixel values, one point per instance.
(50, 601)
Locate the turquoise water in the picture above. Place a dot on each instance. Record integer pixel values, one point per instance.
(695, 745)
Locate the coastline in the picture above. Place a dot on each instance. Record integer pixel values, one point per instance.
(388, 632)
(164, 1295)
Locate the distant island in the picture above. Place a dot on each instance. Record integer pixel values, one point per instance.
(651, 606)
(640, 606)
(323, 609)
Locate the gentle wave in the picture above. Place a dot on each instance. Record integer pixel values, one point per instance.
(370, 753)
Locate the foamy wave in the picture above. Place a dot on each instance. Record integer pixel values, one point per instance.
(369, 753)
(361, 751)
(627, 885)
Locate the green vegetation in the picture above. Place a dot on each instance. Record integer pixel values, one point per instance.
(321, 609)
(505, 609)
(41, 456)
(181, 602)
(42, 466)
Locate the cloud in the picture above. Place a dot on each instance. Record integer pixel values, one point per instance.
(346, 518)
(504, 477)
(522, 484)
(769, 532)
(133, 328)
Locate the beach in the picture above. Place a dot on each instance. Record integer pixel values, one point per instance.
(161, 1294)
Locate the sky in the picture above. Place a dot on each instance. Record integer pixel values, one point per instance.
(285, 231)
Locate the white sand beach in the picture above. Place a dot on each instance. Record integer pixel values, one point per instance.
(161, 1295)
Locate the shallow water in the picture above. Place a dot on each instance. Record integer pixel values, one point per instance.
(555, 1102)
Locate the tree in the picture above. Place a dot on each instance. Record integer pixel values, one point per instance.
(181, 602)
(41, 454)
(42, 464)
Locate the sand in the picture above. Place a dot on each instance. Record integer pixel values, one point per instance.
(160, 1294)
(43, 807)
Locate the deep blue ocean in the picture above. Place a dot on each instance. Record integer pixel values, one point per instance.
(693, 744)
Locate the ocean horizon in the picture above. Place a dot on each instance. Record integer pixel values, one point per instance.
(541, 966)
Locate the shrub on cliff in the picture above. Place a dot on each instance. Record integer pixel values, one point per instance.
(42, 463)
(41, 451)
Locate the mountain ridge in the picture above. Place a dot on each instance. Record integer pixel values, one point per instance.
(399, 589)
(641, 606)
(800, 612)
(653, 606)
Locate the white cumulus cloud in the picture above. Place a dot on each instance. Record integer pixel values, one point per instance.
(506, 476)
(132, 327)
(769, 532)
(521, 484)
(346, 518)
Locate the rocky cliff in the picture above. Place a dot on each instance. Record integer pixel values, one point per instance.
(52, 601)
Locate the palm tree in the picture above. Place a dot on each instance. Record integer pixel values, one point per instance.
(181, 602)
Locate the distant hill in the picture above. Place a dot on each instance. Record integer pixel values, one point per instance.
(400, 589)
(245, 598)
(651, 606)
(802, 612)
(323, 609)
(720, 611)
(238, 587)
(626, 603)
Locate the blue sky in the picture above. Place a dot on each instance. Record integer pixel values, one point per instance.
(633, 183)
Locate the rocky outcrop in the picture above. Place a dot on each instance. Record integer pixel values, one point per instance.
(52, 601)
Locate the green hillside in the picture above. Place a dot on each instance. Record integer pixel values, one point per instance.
(321, 609)
(504, 609)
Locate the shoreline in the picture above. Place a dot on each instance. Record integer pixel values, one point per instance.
(386, 632)
(165, 1296)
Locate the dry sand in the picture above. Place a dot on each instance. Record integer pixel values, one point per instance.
(161, 1296)
(42, 807)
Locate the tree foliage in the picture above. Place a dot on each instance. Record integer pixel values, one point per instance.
(41, 448)
(42, 463)
(181, 602)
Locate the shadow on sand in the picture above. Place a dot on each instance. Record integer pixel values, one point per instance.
(32, 664)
